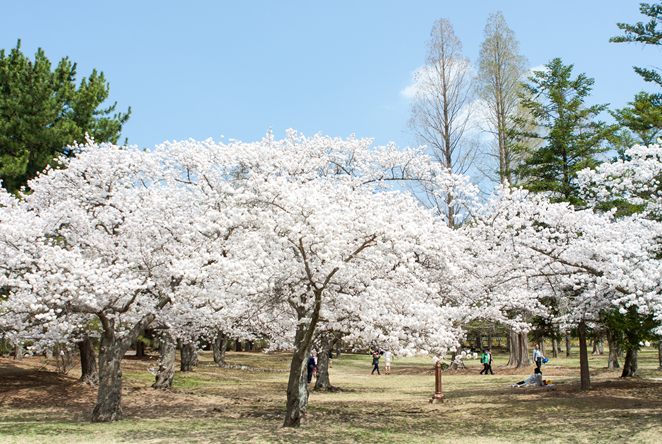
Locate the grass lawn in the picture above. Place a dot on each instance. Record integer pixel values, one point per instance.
(214, 404)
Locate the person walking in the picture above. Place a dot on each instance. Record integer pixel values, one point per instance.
(484, 359)
(537, 356)
(375, 362)
(489, 361)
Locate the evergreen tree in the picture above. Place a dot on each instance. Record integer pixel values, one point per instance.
(643, 117)
(647, 34)
(569, 134)
(42, 111)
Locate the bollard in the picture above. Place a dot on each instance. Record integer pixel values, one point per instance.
(438, 396)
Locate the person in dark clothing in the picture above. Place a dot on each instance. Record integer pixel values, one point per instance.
(375, 362)
(311, 366)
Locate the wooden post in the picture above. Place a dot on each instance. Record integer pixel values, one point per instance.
(438, 396)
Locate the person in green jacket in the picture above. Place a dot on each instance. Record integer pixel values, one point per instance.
(485, 360)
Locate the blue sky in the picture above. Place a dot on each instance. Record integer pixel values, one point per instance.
(201, 69)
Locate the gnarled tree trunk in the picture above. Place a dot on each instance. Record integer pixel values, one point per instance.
(513, 349)
(614, 351)
(237, 344)
(18, 352)
(598, 346)
(524, 359)
(111, 350)
(659, 355)
(339, 347)
(519, 350)
(568, 346)
(166, 373)
(297, 386)
(186, 350)
(630, 364)
(328, 340)
(585, 376)
(140, 349)
(88, 362)
(109, 396)
(219, 345)
(555, 348)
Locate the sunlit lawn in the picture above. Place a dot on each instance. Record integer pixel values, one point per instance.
(228, 405)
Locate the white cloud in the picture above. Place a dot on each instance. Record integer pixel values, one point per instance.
(542, 68)
(409, 92)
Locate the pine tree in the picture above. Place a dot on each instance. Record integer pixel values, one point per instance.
(570, 134)
(42, 112)
(643, 117)
(647, 34)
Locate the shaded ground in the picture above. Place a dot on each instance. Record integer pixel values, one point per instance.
(226, 405)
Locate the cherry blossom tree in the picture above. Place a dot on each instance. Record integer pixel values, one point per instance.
(320, 232)
(589, 261)
(630, 184)
(104, 249)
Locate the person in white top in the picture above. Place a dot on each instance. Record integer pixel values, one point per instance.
(535, 380)
(387, 362)
(537, 356)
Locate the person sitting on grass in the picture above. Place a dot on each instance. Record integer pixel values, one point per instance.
(535, 380)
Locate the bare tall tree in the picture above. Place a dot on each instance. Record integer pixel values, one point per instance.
(501, 69)
(441, 109)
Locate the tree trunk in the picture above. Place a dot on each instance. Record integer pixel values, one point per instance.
(598, 347)
(111, 351)
(513, 349)
(455, 365)
(479, 341)
(524, 359)
(249, 345)
(489, 341)
(659, 355)
(328, 340)
(194, 354)
(542, 346)
(140, 349)
(237, 344)
(18, 352)
(88, 363)
(219, 345)
(630, 364)
(109, 396)
(555, 348)
(583, 358)
(166, 373)
(568, 346)
(612, 360)
(64, 359)
(186, 356)
(297, 386)
(339, 347)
